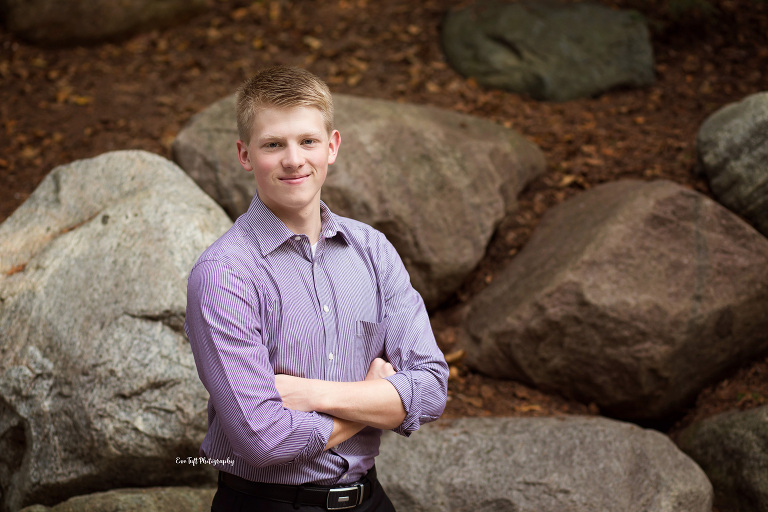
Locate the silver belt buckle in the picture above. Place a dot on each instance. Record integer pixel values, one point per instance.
(341, 498)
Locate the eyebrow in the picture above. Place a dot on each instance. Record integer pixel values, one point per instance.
(306, 135)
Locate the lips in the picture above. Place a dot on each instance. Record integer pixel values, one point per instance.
(295, 180)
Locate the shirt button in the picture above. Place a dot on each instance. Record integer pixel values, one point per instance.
(330, 356)
(326, 308)
(297, 238)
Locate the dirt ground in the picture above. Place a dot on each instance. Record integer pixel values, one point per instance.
(62, 104)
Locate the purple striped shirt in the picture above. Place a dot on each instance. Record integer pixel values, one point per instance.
(259, 303)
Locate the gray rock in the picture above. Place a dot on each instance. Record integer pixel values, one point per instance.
(631, 295)
(732, 449)
(152, 499)
(98, 387)
(568, 464)
(548, 50)
(732, 148)
(437, 183)
(55, 22)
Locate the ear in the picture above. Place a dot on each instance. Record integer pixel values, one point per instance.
(243, 156)
(333, 145)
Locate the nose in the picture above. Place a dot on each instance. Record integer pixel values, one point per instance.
(293, 158)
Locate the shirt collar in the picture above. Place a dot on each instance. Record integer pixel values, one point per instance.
(270, 232)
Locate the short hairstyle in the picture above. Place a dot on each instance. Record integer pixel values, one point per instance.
(281, 87)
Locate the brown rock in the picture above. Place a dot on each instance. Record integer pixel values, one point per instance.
(435, 182)
(632, 295)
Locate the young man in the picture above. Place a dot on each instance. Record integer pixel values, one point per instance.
(304, 326)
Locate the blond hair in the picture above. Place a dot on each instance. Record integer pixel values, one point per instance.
(281, 87)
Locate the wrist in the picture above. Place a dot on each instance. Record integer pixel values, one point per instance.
(321, 396)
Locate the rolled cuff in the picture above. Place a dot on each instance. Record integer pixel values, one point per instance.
(408, 389)
(322, 428)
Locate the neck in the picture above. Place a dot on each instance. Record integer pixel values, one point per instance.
(303, 222)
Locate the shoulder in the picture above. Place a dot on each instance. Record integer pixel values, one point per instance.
(232, 251)
(371, 243)
(359, 232)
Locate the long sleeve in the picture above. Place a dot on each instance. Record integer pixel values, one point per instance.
(224, 325)
(422, 373)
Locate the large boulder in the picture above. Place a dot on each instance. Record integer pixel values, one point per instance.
(549, 50)
(68, 22)
(436, 183)
(151, 499)
(568, 464)
(631, 295)
(98, 386)
(732, 147)
(732, 449)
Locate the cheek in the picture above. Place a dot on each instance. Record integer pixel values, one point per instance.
(264, 166)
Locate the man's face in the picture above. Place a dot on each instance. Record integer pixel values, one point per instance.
(289, 154)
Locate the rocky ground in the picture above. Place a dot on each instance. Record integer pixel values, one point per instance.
(63, 104)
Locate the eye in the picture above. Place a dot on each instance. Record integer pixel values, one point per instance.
(272, 145)
(308, 142)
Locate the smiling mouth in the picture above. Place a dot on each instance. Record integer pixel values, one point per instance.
(295, 180)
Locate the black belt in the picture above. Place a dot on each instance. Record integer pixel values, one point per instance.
(337, 497)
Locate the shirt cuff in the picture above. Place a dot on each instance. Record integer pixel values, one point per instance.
(408, 388)
(321, 433)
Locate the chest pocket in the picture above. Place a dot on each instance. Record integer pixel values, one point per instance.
(369, 343)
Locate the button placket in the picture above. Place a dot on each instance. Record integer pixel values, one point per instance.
(328, 319)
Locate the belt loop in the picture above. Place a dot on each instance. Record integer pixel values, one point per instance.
(296, 504)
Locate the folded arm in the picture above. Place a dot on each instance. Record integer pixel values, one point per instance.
(372, 402)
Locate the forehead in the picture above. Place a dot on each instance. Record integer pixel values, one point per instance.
(287, 122)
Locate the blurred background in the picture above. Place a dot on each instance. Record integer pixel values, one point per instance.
(62, 100)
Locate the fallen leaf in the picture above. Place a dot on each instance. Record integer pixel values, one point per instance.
(81, 100)
(213, 34)
(29, 152)
(62, 95)
(10, 126)
(567, 180)
(239, 14)
(594, 162)
(274, 11)
(353, 80)
(455, 356)
(312, 42)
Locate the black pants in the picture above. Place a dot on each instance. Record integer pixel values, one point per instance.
(229, 500)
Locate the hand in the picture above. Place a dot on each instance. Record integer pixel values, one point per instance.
(379, 369)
